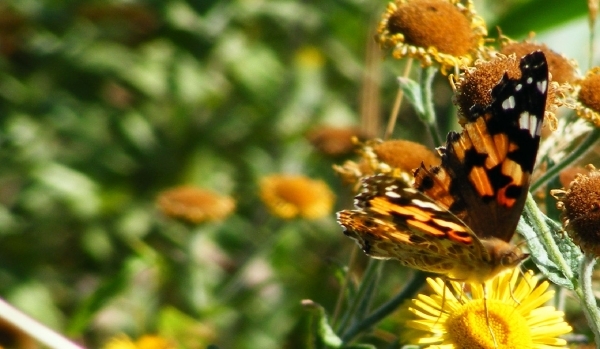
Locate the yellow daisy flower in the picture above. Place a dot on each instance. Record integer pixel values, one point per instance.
(448, 32)
(513, 309)
(290, 196)
(144, 342)
(194, 204)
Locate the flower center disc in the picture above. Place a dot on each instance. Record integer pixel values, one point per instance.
(469, 327)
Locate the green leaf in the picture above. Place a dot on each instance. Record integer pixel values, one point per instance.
(325, 336)
(556, 257)
(412, 92)
(110, 289)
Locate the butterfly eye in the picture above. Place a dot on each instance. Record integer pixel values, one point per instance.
(513, 258)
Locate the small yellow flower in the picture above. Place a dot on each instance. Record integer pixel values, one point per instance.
(580, 210)
(513, 309)
(144, 342)
(310, 57)
(195, 205)
(290, 196)
(448, 32)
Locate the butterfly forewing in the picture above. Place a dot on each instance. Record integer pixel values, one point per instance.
(485, 170)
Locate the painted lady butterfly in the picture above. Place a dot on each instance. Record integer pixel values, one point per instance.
(458, 218)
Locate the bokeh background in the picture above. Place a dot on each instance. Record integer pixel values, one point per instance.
(105, 105)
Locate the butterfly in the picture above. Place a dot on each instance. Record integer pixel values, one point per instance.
(457, 219)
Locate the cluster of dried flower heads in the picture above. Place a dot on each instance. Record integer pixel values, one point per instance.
(450, 34)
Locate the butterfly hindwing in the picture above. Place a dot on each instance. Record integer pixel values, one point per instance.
(397, 221)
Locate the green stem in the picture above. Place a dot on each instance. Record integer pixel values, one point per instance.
(428, 116)
(586, 295)
(581, 149)
(390, 306)
(537, 220)
(365, 303)
(370, 274)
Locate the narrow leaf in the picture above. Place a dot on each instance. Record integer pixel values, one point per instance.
(412, 92)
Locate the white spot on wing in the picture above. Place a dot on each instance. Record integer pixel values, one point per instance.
(508, 103)
(518, 87)
(542, 86)
(529, 80)
(392, 195)
(426, 204)
(529, 122)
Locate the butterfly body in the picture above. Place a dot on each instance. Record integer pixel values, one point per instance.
(458, 218)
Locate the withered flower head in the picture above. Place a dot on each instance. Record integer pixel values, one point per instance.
(474, 85)
(448, 32)
(397, 157)
(563, 70)
(587, 94)
(195, 205)
(290, 196)
(333, 141)
(569, 174)
(580, 205)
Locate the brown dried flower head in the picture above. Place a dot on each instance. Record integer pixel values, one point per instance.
(563, 70)
(195, 205)
(580, 205)
(475, 84)
(448, 32)
(587, 94)
(397, 157)
(291, 196)
(569, 174)
(333, 141)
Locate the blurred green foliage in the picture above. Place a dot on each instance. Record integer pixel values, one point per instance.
(105, 104)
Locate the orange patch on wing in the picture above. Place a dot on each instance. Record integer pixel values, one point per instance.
(464, 239)
(502, 144)
(383, 206)
(514, 171)
(463, 143)
(482, 141)
(503, 200)
(481, 182)
(399, 236)
(426, 228)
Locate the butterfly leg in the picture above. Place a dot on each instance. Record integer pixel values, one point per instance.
(443, 301)
(487, 317)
